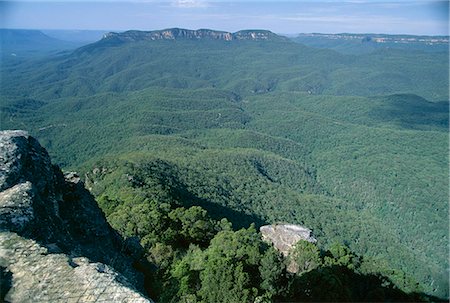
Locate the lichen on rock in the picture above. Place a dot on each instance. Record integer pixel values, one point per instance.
(55, 243)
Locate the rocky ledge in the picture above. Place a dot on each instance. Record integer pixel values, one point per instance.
(285, 236)
(55, 244)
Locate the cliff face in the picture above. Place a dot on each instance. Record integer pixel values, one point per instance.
(200, 34)
(55, 244)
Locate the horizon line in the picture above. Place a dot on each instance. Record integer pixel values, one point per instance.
(205, 28)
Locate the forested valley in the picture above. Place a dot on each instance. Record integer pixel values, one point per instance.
(190, 145)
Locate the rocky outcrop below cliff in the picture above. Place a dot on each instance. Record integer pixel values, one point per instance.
(200, 34)
(55, 244)
(284, 237)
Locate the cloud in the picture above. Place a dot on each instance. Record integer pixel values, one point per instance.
(190, 3)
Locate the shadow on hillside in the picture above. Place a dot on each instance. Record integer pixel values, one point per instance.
(340, 284)
(410, 111)
(216, 211)
(168, 175)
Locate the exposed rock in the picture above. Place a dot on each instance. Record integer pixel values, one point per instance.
(40, 276)
(200, 34)
(72, 177)
(17, 166)
(285, 236)
(16, 207)
(55, 244)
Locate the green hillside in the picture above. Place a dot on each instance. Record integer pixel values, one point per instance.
(29, 43)
(354, 147)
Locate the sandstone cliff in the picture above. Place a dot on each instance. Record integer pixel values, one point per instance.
(200, 34)
(55, 244)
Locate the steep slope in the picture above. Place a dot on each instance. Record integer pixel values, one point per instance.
(55, 244)
(199, 258)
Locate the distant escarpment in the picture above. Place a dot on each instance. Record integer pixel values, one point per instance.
(55, 244)
(200, 34)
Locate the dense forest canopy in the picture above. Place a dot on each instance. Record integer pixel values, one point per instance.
(176, 135)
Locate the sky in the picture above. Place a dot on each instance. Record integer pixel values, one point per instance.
(420, 17)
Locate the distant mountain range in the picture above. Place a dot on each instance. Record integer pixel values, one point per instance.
(366, 43)
(20, 42)
(204, 34)
(78, 36)
(17, 42)
(380, 38)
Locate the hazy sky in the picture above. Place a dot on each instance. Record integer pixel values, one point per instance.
(357, 16)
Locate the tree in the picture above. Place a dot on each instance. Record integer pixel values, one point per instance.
(193, 224)
(341, 255)
(225, 281)
(306, 256)
(187, 270)
(272, 270)
(228, 270)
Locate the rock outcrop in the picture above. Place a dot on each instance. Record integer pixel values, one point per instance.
(186, 34)
(284, 237)
(55, 244)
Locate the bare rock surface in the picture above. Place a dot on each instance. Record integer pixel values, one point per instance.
(187, 34)
(40, 276)
(285, 236)
(55, 243)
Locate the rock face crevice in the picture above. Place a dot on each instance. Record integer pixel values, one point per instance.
(55, 243)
